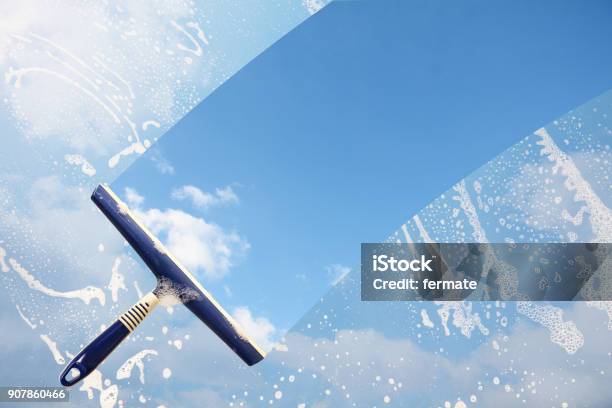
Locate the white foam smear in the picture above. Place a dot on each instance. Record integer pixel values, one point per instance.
(117, 280)
(469, 210)
(407, 237)
(507, 275)
(86, 294)
(565, 334)
(425, 320)
(25, 319)
(166, 373)
(463, 318)
(108, 392)
(147, 123)
(57, 356)
(18, 74)
(125, 371)
(3, 266)
(98, 83)
(424, 234)
(137, 288)
(78, 160)
(197, 49)
(135, 147)
(102, 85)
(313, 6)
(600, 215)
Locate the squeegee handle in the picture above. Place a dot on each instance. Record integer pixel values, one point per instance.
(91, 356)
(96, 352)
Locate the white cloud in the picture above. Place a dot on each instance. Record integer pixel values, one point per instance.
(226, 195)
(162, 164)
(203, 247)
(260, 329)
(133, 198)
(337, 272)
(203, 199)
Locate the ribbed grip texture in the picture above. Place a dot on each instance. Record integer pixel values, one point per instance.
(138, 312)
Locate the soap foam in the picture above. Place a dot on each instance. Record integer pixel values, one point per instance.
(25, 319)
(78, 160)
(425, 320)
(57, 356)
(565, 334)
(3, 266)
(463, 317)
(600, 214)
(86, 294)
(125, 371)
(108, 393)
(117, 280)
(171, 293)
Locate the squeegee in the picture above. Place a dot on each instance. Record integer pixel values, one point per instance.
(172, 279)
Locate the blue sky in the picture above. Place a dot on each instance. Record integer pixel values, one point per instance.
(356, 120)
(401, 98)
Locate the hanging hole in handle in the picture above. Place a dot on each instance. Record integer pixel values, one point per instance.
(71, 375)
